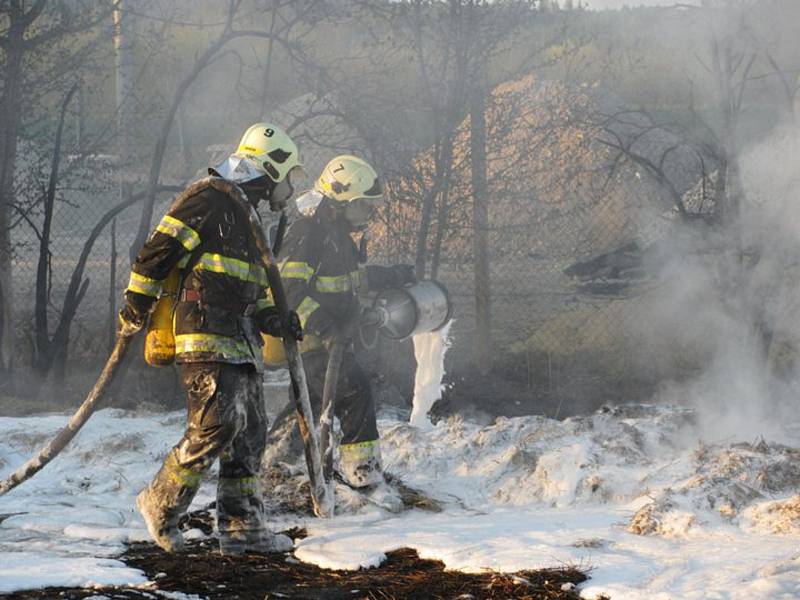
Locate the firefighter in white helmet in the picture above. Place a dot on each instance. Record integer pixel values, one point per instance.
(221, 304)
(320, 269)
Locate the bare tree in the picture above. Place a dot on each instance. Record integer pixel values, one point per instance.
(229, 32)
(32, 33)
(739, 57)
(473, 32)
(480, 209)
(44, 350)
(454, 52)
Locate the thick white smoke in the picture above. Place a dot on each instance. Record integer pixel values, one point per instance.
(734, 318)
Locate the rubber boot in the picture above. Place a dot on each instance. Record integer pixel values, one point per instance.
(163, 531)
(360, 463)
(236, 543)
(240, 519)
(166, 500)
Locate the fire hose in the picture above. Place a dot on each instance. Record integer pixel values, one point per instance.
(329, 407)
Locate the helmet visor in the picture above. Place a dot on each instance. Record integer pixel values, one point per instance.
(375, 192)
(237, 168)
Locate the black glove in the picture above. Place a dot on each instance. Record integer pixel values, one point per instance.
(404, 274)
(130, 321)
(381, 278)
(269, 322)
(295, 327)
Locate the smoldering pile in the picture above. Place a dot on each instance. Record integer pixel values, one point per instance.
(737, 481)
(651, 459)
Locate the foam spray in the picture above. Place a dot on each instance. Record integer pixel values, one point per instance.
(429, 350)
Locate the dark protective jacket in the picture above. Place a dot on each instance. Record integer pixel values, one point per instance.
(320, 270)
(322, 273)
(206, 233)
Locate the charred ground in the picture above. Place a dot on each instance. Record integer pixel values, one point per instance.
(200, 571)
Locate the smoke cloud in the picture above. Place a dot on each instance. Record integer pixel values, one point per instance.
(736, 317)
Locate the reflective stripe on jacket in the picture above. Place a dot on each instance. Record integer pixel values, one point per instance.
(206, 234)
(320, 270)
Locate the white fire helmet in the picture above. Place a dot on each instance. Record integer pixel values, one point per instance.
(347, 178)
(264, 149)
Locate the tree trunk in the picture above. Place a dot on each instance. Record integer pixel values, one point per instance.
(422, 233)
(268, 67)
(112, 288)
(10, 114)
(44, 346)
(80, 121)
(443, 162)
(186, 151)
(125, 82)
(441, 226)
(483, 332)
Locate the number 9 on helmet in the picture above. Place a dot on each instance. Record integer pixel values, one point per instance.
(264, 150)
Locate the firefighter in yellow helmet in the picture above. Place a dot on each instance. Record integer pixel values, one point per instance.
(222, 303)
(320, 270)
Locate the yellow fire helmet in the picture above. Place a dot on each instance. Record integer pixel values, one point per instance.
(265, 149)
(347, 178)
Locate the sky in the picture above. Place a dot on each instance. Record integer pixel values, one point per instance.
(600, 4)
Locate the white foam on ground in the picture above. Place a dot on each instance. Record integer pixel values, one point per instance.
(532, 492)
(522, 493)
(79, 510)
(19, 569)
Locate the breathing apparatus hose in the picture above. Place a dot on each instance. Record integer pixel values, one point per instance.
(278, 243)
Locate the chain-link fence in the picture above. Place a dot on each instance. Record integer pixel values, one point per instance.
(568, 241)
(87, 270)
(80, 202)
(571, 240)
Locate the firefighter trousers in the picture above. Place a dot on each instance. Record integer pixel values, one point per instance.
(226, 420)
(359, 449)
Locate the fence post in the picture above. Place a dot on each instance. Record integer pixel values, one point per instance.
(112, 288)
(482, 344)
